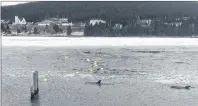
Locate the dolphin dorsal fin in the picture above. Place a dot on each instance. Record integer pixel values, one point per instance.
(187, 87)
(99, 81)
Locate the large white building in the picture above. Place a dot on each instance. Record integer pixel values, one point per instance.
(18, 21)
(94, 21)
(45, 22)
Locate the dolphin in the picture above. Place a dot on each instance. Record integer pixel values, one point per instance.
(97, 83)
(181, 87)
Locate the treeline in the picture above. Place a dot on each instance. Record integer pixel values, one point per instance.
(100, 29)
(5, 29)
(35, 29)
(187, 28)
(117, 11)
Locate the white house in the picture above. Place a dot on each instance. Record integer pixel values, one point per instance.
(63, 20)
(94, 21)
(18, 21)
(144, 22)
(186, 18)
(177, 24)
(54, 19)
(118, 26)
(58, 21)
(183, 18)
(67, 24)
(45, 22)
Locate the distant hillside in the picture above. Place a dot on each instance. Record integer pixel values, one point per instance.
(116, 11)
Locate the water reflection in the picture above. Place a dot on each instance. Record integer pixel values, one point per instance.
(35, 101)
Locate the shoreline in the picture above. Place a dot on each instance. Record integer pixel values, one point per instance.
(77, 36)
(82, 36)
(96, 41)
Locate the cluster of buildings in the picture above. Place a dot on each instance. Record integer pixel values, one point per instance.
(65, 22)
(177, 22)
(57, 21)
(145, 23)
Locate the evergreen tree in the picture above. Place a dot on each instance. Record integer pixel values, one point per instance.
(56, 28)
(46, 28)
(91, 30)
(35, 30)
(8, 29)
(18, 30)
(69, 30)
(25, 28)
(10, 22)
(185, 29)
(196, 27)
(60, 30)
(87, 29)
(3, 29)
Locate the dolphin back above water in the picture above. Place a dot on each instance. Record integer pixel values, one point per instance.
(98, 83)
(181, 87)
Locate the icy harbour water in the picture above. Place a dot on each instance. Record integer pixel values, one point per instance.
(136, 71)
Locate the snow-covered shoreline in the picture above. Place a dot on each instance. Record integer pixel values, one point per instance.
(97, 41)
